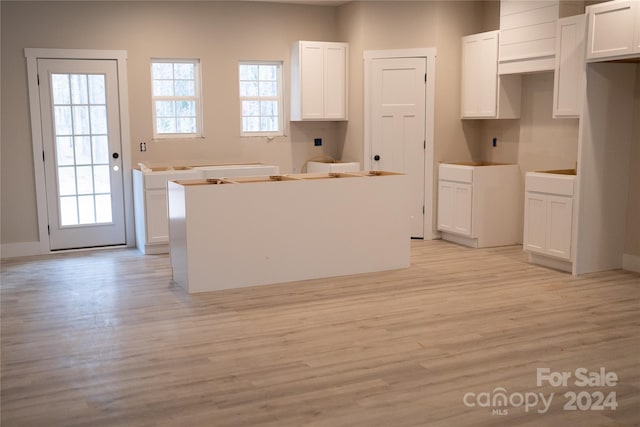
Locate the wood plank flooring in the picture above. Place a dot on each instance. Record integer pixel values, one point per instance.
(105, 339)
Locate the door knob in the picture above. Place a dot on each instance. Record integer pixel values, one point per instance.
(115, 155)
(376, 157)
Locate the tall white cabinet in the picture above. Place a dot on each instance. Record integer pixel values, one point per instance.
(569, 76)
(319, 81)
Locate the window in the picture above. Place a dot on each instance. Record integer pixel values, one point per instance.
(261, 99)
(176, 98)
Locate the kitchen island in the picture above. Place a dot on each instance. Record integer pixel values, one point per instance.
(231, 233)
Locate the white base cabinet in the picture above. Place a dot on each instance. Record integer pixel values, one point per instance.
(478, 204)
(150, 198)
(548, 216)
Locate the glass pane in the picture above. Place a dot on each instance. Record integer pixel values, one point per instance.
(81, 120)
(186, 108)
(184, 71)
(98, 119)
(60, 86)
(269, 108)
(79, 89)
(63, 120)
(248, 72)
(101, 179)
(250, 108)
(268, 72)
(96, 89)
(251, 124)
(64, 150)
(100, 150)
(248, 88)
(165, 109)
(187, 125)
(268, 89)
(163, 88)
(185, 88)
(85, 179)
(162, 70)
(68, 211)
(66, 181)
(86, 210)
(166, 125)
(83, 150)
(268, 124)
(103, 208)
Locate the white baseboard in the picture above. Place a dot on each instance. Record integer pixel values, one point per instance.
(13, 250)
(631, 262)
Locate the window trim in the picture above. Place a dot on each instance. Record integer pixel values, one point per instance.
(198, 98)
(279, 98)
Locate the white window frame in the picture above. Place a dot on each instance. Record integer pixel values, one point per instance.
(279, 98)
(197, 98)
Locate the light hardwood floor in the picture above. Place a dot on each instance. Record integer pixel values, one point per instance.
(105, 339)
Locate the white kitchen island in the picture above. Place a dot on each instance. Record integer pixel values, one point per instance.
(227, 233)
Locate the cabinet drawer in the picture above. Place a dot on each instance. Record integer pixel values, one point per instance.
(456, 173)
(561, 185)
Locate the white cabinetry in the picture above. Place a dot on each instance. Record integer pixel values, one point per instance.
(528, 33)
(569, 77)
(150, 198)
(614, 30)
(319, 81)
(478, 204)
(484, 93)
(548, 217)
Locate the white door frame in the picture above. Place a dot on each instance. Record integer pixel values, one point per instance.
(430, 55)
(120, 56)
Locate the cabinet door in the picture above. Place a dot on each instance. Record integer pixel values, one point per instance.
(611, 29)
(463, 199)
(157, 217)
(535, 222)
(312, 80)
(479, 74)
(446, 205)
(559, 220)
(335, 82)
(568, 87)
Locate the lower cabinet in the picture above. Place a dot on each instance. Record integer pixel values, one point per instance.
(478, 203)
(548, 218)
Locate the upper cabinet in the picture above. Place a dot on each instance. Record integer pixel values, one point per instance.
(614, 30)
(484, 93)
(568, 87)
(528, 34)
(319, 81)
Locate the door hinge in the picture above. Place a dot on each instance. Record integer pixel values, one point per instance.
(43, 155)
(422, 209)
(424, 146)
(48, 230)
(425, 77)
(38, 78)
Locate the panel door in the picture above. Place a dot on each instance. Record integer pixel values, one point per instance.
(398, 104)
(312, 80)
(463, 209)
(446, 205)
(611, 29)
(157, 216)
(335, 82)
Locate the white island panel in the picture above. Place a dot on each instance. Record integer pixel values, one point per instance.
(234, 235)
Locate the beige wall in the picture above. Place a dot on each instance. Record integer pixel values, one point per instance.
(633, 211)
(405, 25)
(219, 33)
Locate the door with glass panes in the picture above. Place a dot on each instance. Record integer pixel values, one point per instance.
(82, 152)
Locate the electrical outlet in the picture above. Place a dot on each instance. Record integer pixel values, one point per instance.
(317, 142)
(143, 146)
(495, 142)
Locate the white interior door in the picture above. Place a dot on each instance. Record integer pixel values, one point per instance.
(82, 147)
(398, 139)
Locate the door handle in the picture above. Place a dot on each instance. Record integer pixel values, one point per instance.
(376, 157)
